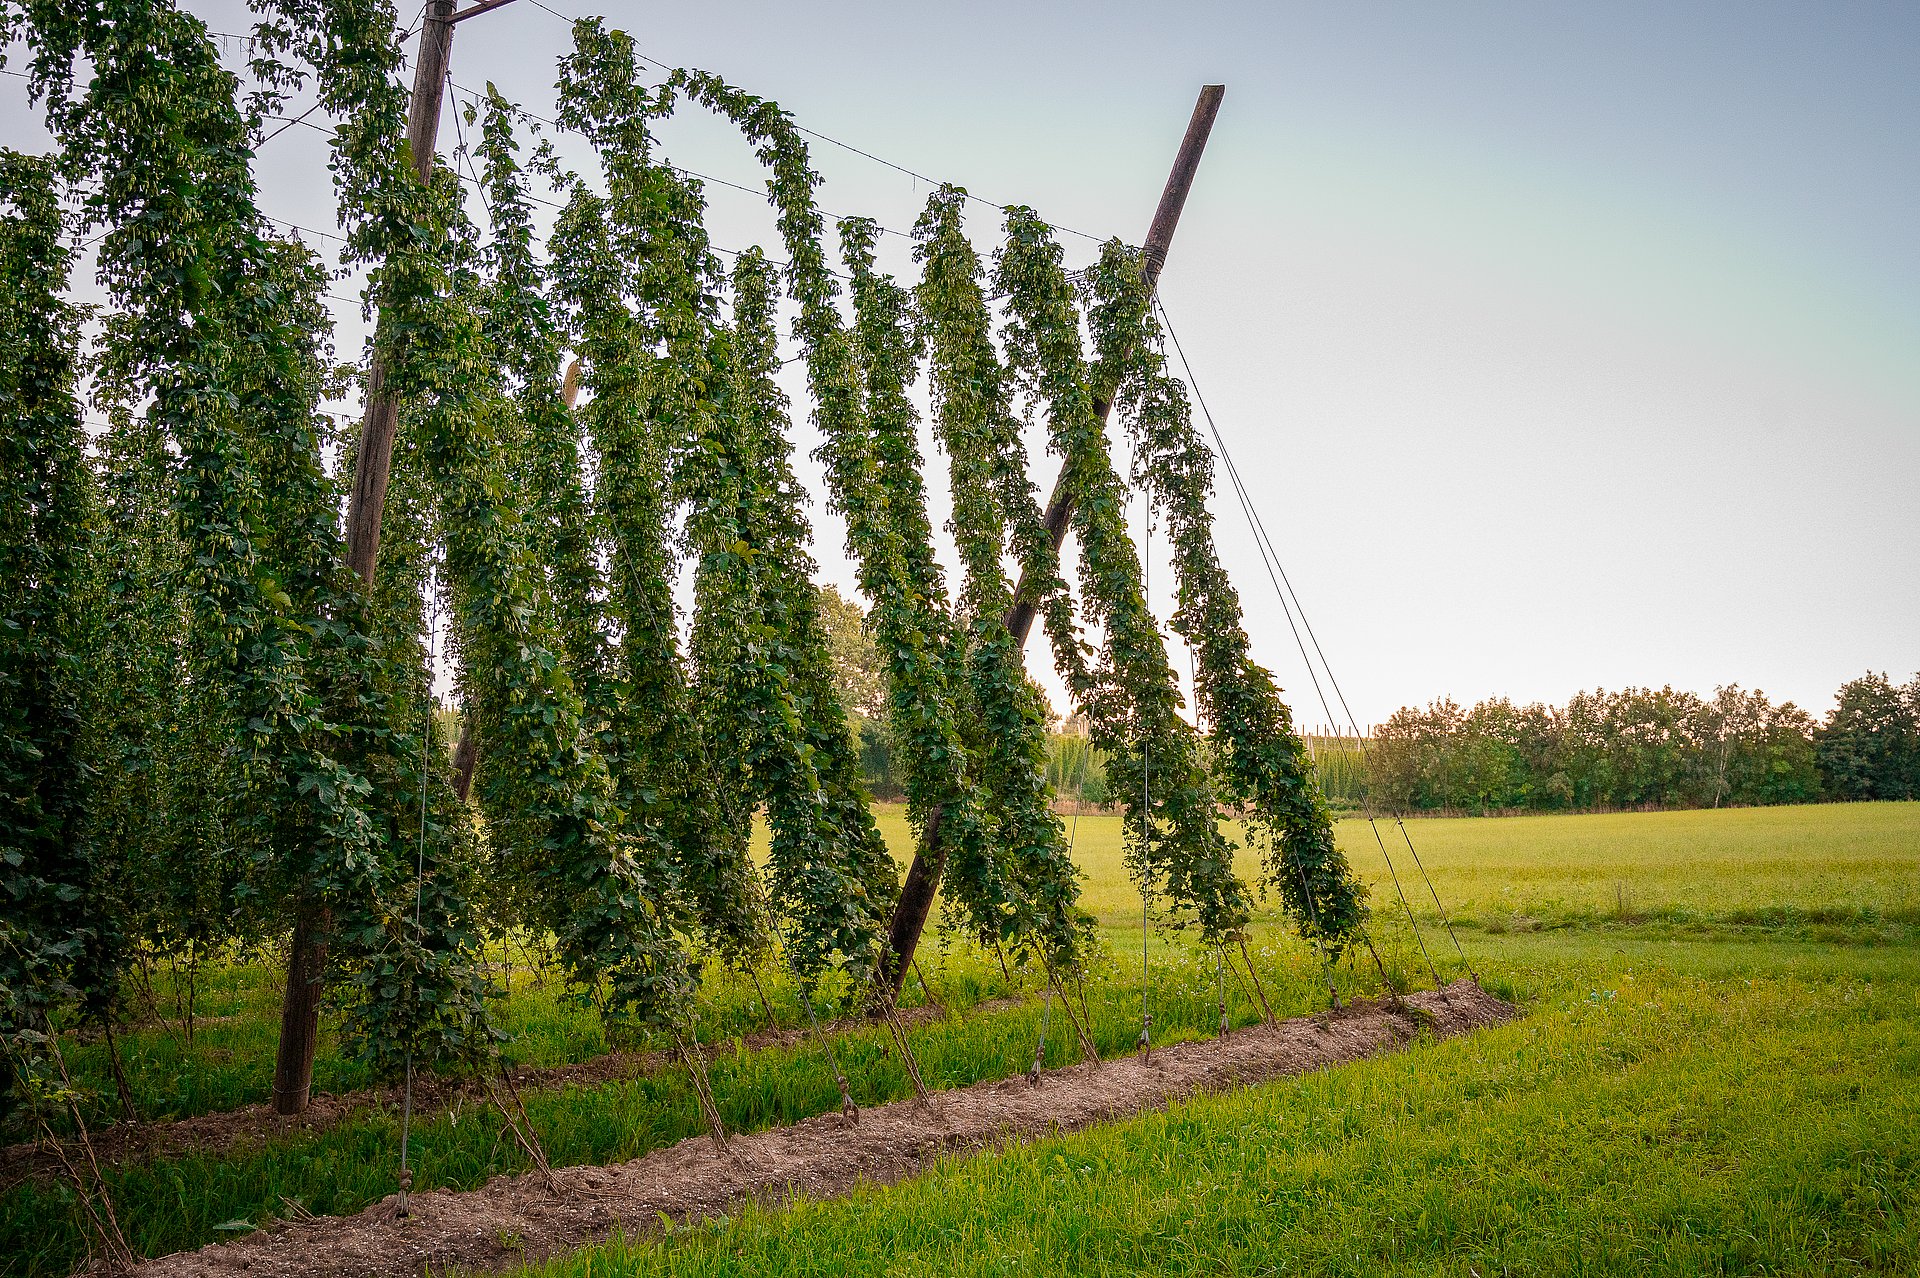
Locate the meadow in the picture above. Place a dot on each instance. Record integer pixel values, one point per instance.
(1716, 1074)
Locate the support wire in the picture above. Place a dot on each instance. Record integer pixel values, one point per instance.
(1283, 588)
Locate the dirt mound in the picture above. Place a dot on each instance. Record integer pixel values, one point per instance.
(251, 1124)
(819, 1157)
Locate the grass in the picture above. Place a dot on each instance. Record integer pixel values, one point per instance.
(1658, 1113)
(1840, 862)
(1838, 871)
(1695, 954)
(180, 1202)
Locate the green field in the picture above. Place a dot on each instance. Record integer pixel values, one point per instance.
(1719, 1072)
(1745, 1103)
(1832, 863)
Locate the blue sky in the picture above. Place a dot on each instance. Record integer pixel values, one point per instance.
(1563, 345)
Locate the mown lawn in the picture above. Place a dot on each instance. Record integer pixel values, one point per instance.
(1758, 969)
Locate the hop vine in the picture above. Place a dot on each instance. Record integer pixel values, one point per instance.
(1261, 764)
(1132, 698)
(974, 422)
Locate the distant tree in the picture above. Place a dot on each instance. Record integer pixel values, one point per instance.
(859, 672)
(876, 758)
(1869, 747)
(1639, 747)
(1757, 752)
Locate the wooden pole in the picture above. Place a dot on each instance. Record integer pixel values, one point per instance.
(373, 460)
(929, 859)
(1166, 219)
(373, 463)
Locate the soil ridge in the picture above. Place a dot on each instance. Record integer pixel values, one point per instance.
(433, 1096)
(514, 1220)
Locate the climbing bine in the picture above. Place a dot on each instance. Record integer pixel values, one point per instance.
(849, 1112)
(1290, 603)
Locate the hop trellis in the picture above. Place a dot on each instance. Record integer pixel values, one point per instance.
(618, 774)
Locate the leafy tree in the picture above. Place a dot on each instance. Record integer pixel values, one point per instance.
(859, 672)
(1637, 747)
(1869, 746)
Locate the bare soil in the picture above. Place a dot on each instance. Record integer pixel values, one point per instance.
(515, 1219)
(252, 1124)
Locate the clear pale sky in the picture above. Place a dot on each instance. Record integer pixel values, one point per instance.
(1563, 345)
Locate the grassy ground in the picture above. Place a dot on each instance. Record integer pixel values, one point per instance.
(1668, 1108)
(1718, 1075)
(1684, 955)
(1838, 863)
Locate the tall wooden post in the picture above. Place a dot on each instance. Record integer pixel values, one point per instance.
(373, 463)
(923, 876)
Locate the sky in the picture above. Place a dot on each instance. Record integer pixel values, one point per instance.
(1561, 346)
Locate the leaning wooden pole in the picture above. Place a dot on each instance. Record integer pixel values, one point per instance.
(373, 463)
(923, 876)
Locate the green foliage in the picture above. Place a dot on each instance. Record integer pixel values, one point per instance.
(215, 734)
(1639, 747)
(605, 895)
(521, 324)
(1075, 769)
(860, 679)
(407, 945)
(873, 467)
(57, 937)
(764, 665)
(654, 313)
(859, 672)
(1260, 765)
(1869, 747)
(1155, 758)
(221, 326)
(1006, 726)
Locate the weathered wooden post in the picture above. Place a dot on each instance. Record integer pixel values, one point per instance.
(373, 463)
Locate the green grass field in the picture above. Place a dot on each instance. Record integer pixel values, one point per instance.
(1836, 863)
(1666, 1108)
(1719, 1072)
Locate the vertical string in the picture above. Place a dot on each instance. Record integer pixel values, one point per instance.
(419, 875)
(1146, 811)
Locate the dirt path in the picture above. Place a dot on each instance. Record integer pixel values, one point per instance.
(251, 1124)
(820, 1157)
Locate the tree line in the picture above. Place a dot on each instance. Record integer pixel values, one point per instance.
(1634, 748)
(1646, 747)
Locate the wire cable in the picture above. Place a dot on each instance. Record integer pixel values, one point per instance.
(1277, 574)
(1270, 560)
(1146, 814)
(848, 146)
